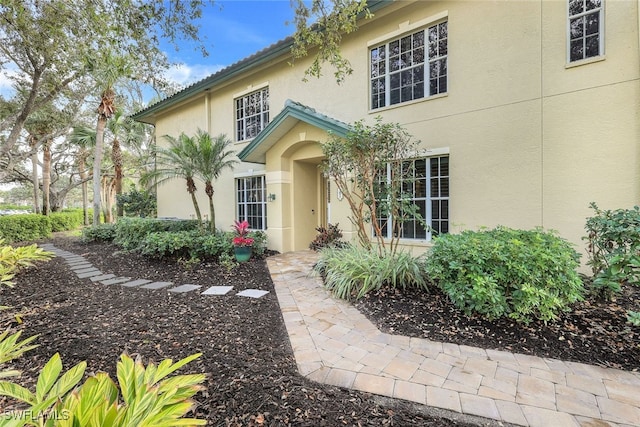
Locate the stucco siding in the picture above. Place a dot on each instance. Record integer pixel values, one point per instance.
(532, 139)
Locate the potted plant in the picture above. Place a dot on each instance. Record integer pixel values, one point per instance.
(241, 242)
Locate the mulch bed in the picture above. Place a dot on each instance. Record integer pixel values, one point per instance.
(252, 378)
(594, 332)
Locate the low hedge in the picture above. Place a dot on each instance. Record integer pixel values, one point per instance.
(21, 228)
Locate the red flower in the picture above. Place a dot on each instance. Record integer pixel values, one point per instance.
(242, 241)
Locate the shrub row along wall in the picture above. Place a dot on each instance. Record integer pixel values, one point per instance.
(20, 228)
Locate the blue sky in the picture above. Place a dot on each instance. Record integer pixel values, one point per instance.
(231, 30)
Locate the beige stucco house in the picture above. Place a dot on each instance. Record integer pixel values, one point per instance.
(526, 112)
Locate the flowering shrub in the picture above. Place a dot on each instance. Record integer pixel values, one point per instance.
(242, 230)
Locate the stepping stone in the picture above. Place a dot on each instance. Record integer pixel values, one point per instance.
(157, 285)
(217, 290)
(103, 277)
(90, 274)
(252, 293)
(73, 259)
(185, 288)
(136, 283)
(85, 270)
(77, 261)
(81, 266)
(115, 281)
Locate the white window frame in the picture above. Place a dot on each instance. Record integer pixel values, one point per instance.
(428, 198)
(601, 35)
(244, 204)
(242, 120)
(428, 60)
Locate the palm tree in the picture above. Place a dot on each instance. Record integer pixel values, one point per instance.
(84, 137)
(177, 161)
(213, 157)
(115, 125)
(107, 73)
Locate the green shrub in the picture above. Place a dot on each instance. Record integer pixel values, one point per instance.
(503, 272)
(259, 242)
(196, 244)
(327, 237)
(164, 243)
(130, 232)
(99, 233)
(21, 228)
(12, 259)
(613, 248)
(352, 271)
(633, 317)
(138, 203)
(66, 220)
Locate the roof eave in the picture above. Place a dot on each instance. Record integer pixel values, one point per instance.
(255, 152)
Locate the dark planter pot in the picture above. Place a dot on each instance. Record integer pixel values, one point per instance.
(243, 253)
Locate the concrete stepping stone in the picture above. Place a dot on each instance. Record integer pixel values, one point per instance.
(252, 293)
(115, 281)
(88, 274)
(83, 266)
(85, 270)
(157, 285)
(103, 277)
(217, 290)
(184, 288)
(135, 283)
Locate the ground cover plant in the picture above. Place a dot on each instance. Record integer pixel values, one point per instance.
(252, 377)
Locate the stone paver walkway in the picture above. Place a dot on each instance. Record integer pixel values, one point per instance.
(335, 344)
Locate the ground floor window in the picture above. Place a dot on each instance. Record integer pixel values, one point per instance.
(425, 186)
(251, 199)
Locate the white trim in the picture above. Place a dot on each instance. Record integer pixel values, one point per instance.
(278, 177)
(433, 152)
(407, 27)
(249, 89)
(601, 31)
(249, 173)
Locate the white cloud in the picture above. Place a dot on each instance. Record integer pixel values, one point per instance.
(186, 74)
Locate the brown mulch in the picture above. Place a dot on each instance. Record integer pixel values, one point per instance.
(594, 332)
(252, 378)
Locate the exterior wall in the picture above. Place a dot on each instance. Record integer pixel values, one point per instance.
(531, 139)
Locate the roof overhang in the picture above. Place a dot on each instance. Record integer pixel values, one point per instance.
(291, 115)
(278, 50)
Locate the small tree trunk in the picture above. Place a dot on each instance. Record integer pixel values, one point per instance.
(116, 157)
(46, 177)
(34, 175)
(97, 164)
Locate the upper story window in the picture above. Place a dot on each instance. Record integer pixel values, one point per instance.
(586, 24)
(411, 67)
(252, 114)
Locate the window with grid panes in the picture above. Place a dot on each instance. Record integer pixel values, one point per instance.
(251, 198)
(426, 183)
(252, 114)
(586, 24)
(411, 67)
